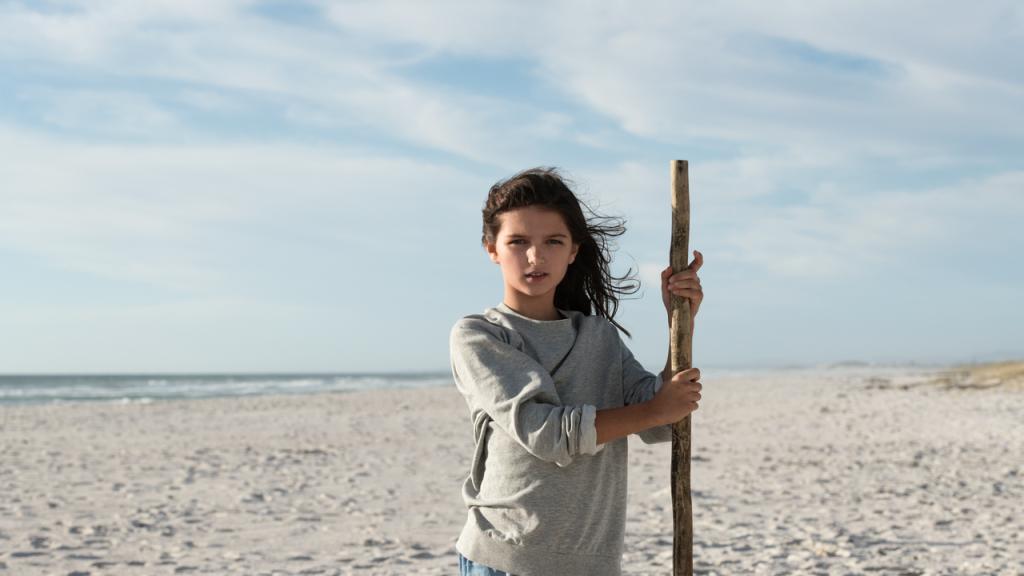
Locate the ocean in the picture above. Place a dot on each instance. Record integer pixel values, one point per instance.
(142, 388)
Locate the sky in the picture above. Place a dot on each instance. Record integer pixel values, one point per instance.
(296, 186)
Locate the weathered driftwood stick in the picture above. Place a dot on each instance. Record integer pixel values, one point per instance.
(681, 350)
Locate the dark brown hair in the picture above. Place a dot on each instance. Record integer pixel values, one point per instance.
(588, 285)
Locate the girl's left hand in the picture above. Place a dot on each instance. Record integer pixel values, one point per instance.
(685, 283)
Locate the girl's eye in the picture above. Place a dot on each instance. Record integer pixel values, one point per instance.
(516, 241)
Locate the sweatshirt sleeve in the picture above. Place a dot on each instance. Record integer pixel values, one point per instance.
(515, 391)
(638, 386)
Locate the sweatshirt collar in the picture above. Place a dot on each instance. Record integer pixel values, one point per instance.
(566, 315)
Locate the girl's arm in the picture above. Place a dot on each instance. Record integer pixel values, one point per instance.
(637, 417)
(640, 386)
(615, 423)
(642, 417)
(509, 387)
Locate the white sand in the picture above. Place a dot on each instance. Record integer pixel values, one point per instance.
(794, 472)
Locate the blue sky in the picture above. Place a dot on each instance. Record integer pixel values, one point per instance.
(228, 185)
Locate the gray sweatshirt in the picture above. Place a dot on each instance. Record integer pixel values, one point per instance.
(543, 497)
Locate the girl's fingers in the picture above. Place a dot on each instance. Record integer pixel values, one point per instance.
(691, 294)
(684, 274)
(697, 262)
(683, 279)
(689, 272)
(685, 283)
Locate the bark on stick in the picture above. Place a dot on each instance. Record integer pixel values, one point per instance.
(681, 349)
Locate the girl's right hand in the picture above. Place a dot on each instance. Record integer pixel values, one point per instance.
(678, 397)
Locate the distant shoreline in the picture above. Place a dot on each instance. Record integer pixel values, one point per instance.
(35, 389)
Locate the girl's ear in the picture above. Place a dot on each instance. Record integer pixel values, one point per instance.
(575, 250)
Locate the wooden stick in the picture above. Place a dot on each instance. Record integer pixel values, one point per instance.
(681, 351)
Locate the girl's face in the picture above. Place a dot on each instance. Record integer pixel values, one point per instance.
(532, 239)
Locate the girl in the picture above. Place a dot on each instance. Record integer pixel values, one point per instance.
(553, 391)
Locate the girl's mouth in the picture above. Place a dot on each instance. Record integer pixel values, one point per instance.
(535, 277)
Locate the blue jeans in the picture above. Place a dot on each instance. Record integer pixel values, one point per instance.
(469, 568)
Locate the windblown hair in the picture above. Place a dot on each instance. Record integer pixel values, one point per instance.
(588, 285)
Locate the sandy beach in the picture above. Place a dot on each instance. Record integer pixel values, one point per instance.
(842, 471)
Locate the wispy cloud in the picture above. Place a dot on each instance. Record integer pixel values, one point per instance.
(179, 216)
(222, 147)
(867, 79)
(843, 235)
(821, 231)
(345, 83)
(793, 77)
(115, 113)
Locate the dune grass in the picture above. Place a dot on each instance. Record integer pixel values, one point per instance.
(981, 376)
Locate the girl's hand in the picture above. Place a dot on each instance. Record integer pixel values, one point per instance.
(685, 283)
(677, 397)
